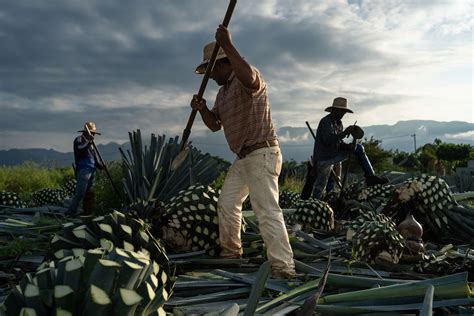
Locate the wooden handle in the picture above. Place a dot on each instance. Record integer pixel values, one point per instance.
(207, 74)
(311, 130)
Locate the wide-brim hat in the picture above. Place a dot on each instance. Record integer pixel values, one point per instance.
(206, 56)
(91, 126)
(339, 103)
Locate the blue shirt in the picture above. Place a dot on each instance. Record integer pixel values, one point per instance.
(84, 153)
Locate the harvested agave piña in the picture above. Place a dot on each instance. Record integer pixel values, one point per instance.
(11, 199)
(312, 214)
(99, 281)
(430, 200)
(48, 196)
(191, 219)
(377, 240)
(115, 229)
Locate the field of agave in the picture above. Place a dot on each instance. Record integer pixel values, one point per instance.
(406, 248)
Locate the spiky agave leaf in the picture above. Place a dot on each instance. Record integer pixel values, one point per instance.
(98, 281)
(192, 221)
(447, 262)
(11, 199)
(375, 239)
(147, 169)
(312, 214)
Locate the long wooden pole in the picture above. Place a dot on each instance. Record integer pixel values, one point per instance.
(102, 162)
(207, 74)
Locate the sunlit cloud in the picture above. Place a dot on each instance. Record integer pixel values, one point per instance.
(130, 65)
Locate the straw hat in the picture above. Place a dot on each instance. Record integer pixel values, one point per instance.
(91, 126)
(339, 103)
(207, 52)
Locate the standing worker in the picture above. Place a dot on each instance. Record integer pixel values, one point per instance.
(329, 149)
(86, 164)
(241, 108)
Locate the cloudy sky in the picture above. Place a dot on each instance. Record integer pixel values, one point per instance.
(129, 64)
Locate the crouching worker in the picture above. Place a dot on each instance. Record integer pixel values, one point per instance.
(86, 164)
(243, 111)
(329, 149)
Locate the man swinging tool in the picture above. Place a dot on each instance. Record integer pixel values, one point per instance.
(242, 109)
(87, 162)
(329, 149)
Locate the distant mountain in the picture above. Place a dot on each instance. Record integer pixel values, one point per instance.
(296, 142)
(51, 157)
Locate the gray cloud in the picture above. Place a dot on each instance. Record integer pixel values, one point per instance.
(129, 64)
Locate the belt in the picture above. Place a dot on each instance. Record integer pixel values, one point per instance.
(247, 150)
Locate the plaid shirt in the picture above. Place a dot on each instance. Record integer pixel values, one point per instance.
(244, 113)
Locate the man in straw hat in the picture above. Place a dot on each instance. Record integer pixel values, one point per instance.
(329, 149)
(241, 108)
(86, 164)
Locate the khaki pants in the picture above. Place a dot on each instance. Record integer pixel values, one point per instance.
(257, 175)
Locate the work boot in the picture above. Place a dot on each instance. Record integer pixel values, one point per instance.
(374, 180)
(283, 274)
(227, 254)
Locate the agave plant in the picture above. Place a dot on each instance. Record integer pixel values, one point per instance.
(148, 172)
(11, 199)
(191, 220)
(48, 196)
(430, 199)
(377, 194)
(115, 229)
(377, 239)
(312, 214)
(109, 264)
(367, 216)
(100, 281)
(288, 199)
(150, 183)
(70, 187)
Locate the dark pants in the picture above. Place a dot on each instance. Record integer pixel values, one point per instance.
(309, 183)
(323, 168)
(85, 181)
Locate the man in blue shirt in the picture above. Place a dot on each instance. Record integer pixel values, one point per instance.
(86, 164)
(329, 149)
